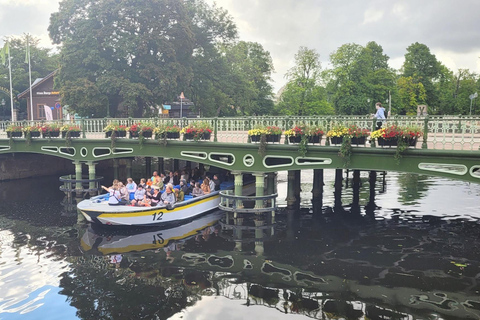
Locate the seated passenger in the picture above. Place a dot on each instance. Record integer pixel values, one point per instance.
(124, 194)
(197, 191)
(143, 183)
(168, 197)
(156, 197)
(158, 183)
(179, 194)
(114, 198)
(206, 185)
(139, 195)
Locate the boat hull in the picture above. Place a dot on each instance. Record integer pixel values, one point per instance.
(98, 211)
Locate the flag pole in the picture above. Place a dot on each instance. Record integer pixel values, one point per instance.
(30, 77)
(10, 78)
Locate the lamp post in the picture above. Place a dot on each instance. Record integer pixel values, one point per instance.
(472, 96)
(181, 104)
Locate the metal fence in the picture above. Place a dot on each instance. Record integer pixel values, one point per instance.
(440, 132)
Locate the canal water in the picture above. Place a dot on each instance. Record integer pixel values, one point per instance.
(409, 252)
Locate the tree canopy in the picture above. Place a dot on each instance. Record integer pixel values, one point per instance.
(135, 55)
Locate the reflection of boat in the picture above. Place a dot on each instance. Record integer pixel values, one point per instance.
(154, 238)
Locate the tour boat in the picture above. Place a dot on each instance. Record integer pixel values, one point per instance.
(106, 242)
(97, 210)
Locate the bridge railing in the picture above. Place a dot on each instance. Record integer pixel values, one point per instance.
(440, 132)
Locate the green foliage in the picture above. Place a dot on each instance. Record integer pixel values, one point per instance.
(359, 75)
(303, 94)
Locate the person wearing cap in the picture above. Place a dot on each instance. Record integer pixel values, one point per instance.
(139, 195)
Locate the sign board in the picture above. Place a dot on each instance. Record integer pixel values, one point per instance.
(422, 110)
(167, 107)
(57, 105)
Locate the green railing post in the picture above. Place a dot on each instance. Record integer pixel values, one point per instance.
(249, 127)
(215, 129)
(425, 133)
(327, 140)
(82, 121)
(374, 126)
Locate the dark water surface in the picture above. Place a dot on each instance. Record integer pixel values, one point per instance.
(415, 257)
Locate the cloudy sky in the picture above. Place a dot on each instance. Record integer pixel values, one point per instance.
(450, 28)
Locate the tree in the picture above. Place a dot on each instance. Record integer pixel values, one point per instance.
(303, 94)
(359, 75)
(131, 54)
(411, 93)
(424, 68)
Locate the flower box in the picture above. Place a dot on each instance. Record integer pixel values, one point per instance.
(336, 140)
(118, 134)
(255, 138)
(294, 139)
(387, 142)
(51, 134)
(273, 138)
(203, 136)
(359, 140)
(33, 134)
(73, 134)
(14, 134)
(314, 139)
(412, 142)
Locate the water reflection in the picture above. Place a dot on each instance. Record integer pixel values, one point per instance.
(362, 255)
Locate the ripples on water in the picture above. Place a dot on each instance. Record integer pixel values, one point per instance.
(416, 259)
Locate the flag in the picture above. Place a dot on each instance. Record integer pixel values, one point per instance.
(27, 51)
(48, 113)
(4, 52)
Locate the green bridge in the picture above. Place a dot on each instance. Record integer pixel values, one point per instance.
(449, 146)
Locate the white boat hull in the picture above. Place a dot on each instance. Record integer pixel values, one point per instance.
(97, 210)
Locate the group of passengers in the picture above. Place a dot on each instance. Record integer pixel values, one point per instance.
(161, 189)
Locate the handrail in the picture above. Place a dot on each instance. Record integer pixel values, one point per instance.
(439, 132)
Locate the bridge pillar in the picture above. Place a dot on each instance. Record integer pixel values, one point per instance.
(188, 164)
(115, 168)
(176, 165)
(317, 191)
(271, 182)
(298, 180)
(338, 207)
(91, 176)
(148, 166)
(78, 177)
(128, 166)
(259, 188)
(355, 207)
(160, 165)
(291, 200)
(238, 188)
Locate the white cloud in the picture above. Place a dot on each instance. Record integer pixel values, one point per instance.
(372, 15)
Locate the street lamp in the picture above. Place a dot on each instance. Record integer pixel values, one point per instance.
(472, 96)
(181, 104)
